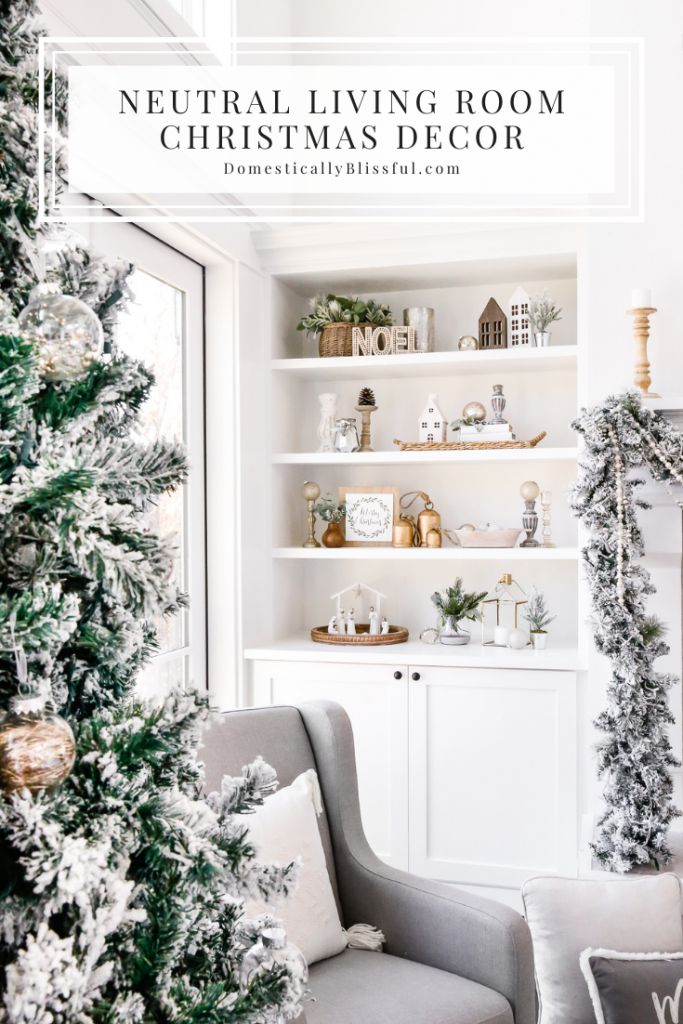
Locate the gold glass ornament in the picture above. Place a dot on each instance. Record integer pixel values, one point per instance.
(68, 334)
(35, 752)
(467, 343)
(474, 411)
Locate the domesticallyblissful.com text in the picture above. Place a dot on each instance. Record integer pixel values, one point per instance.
(349, 168)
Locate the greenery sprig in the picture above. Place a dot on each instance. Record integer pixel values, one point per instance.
(332, 309)
(329, 510)
(456, 602)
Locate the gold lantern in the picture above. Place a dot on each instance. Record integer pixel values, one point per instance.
(500, 610)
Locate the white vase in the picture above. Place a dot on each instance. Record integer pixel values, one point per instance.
(452, 634)
(542, 339)
(326, 426)
(539, 641)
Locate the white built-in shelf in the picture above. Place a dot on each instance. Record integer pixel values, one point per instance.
(430, 364)
(445, 554)
(664, 404)
(399, 458)
(414, 652)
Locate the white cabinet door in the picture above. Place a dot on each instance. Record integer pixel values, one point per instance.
(377, 704)
(492, 774)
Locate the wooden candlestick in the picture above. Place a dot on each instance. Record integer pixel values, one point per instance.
(366, 412)
(641, 332)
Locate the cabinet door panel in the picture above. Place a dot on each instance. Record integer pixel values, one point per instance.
(377, 705)
(492, 774)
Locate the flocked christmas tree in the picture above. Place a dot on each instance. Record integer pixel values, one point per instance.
(121, 886)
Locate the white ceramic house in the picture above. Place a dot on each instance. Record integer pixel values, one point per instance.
(519, 328)
(433, 424)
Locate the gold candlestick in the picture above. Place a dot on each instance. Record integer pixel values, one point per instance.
(311, 493)
(641, 332)
(366, 412)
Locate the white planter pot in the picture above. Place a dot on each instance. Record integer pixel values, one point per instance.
(539, 641)
(542, 339)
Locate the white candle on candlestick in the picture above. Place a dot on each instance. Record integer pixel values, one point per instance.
(641, 298)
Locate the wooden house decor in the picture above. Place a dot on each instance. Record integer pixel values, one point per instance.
(518, 318)
(493, 327)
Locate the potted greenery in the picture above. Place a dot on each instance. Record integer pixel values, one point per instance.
(454, 606)
(539, 618)
(333, 317)
(542, 313)
(331, 513)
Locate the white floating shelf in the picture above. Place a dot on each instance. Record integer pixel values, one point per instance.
(301, 648)
(397, 458)
(431, 364)
(449, 554)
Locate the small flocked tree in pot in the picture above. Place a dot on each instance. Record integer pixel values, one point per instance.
(539, 618)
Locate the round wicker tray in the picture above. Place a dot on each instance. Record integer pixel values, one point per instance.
(461, 446)
(396, 635)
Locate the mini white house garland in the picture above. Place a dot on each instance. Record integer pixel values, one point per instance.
(635, 757)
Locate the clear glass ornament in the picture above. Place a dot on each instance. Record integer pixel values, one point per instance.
(68, 334)
(37, 751)
(270, 950)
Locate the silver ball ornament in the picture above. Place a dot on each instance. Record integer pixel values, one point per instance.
(474, 411)
(67, 332)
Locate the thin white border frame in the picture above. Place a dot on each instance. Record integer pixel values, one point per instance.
(460, 214)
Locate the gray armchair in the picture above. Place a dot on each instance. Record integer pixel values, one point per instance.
(450, 958)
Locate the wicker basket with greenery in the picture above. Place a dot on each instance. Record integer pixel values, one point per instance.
(333, 318)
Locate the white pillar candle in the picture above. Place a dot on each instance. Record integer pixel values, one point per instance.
(641, 298)
(546, 497)
(501, 635)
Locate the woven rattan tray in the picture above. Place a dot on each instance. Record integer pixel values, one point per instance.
(463, 446)
(396, 635)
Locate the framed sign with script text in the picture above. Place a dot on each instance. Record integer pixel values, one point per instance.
(370, 514)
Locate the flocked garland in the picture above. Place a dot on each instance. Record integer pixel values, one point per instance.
(635, 757)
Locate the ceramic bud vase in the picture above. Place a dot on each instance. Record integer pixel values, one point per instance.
(452, 634)
(333, 536)
(539, 640)
(326, 426)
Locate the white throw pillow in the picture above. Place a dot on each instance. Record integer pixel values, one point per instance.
(567, 915)
(285, 829)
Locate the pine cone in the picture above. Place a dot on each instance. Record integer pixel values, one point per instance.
(366, 397)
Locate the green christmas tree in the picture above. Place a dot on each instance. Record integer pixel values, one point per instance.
(122, 888)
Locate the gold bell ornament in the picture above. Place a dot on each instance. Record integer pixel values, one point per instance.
(428, 521)
(405, 532)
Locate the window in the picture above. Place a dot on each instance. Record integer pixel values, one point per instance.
(164, 329)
